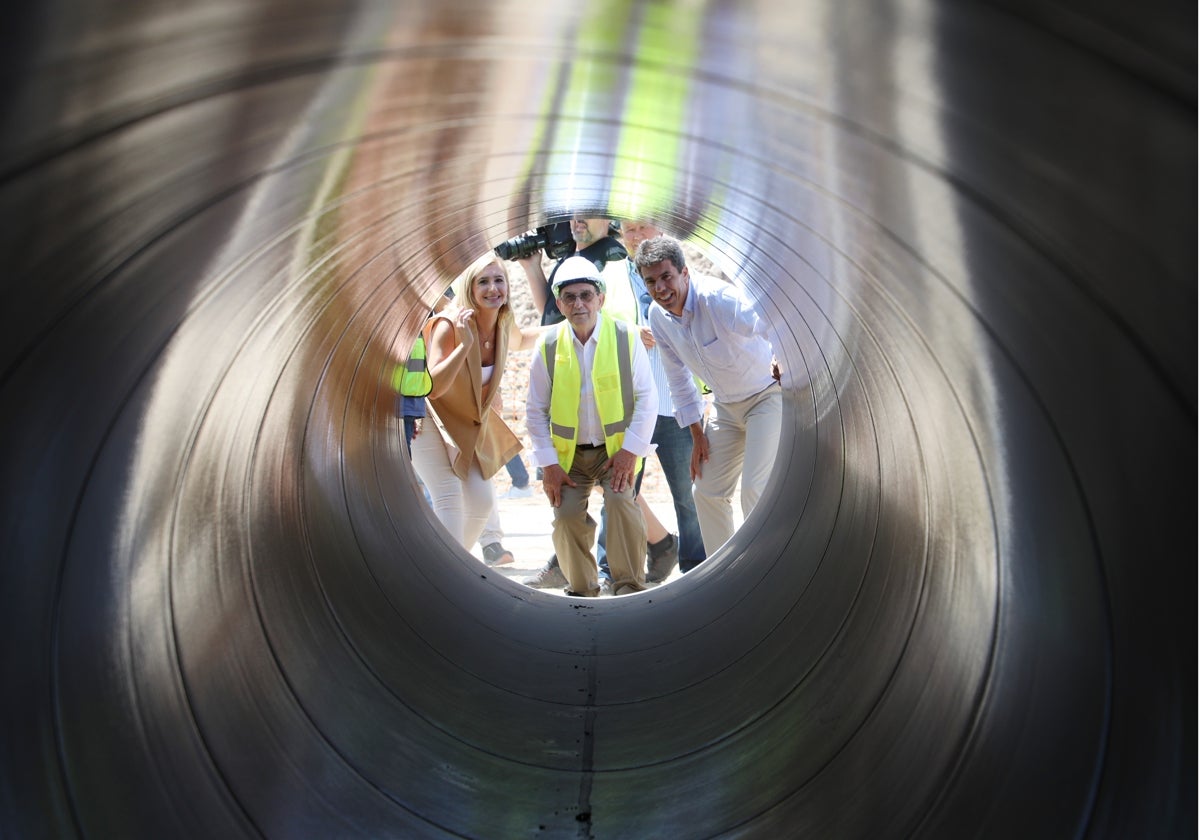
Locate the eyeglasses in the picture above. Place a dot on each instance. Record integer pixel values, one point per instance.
(569, 298)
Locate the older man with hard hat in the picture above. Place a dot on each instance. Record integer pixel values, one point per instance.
(591, 413)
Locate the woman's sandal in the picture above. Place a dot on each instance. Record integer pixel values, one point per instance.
(494, 554)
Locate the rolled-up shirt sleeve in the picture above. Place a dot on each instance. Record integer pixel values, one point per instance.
(689, 404)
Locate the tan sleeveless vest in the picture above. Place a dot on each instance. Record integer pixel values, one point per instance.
(464, 414)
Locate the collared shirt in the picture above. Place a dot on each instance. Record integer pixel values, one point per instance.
(662, 385)
(591, 431)
(721, 338)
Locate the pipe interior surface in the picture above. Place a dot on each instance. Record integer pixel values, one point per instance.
(965, 605)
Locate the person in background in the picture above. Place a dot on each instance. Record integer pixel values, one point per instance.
(411, 406)
(519, 475)
(708, 329)
(593, 241)
(464, 442)
(590, 414)
(413, 383)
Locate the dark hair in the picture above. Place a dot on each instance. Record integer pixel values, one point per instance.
(658, 249)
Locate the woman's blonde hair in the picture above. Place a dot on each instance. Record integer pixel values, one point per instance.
(464, 285)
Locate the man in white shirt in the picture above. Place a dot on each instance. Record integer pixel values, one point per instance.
(706, 327)
(590, 415)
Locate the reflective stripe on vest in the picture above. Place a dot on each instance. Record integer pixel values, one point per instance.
(413, 379)
(612, 387)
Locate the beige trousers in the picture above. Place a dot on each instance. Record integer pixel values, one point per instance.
(743, 442)
(575, 530)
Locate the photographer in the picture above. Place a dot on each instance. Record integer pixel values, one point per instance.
(592, 240)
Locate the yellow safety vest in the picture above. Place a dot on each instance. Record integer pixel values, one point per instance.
(612, 385)
(619, 299)
(413, 379)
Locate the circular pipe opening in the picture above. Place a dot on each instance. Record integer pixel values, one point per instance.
(226, 613)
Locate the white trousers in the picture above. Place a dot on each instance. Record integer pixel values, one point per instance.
(462, 506)
(757, 420)
(492, 532)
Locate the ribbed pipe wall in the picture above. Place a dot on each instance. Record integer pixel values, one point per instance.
(965, 606)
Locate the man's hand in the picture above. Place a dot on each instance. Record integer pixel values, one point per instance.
(553, 478)
(647, 337)
(620, 468)
(699, 449)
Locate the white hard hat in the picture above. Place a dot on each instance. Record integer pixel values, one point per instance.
(577, 269)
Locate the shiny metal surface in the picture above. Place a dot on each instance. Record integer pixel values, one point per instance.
(966, 608)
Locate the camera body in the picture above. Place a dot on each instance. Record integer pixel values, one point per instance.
(555, 239)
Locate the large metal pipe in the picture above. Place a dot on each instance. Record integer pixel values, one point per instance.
(965, 607)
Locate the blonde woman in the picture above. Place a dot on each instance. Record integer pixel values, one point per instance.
(464, 442)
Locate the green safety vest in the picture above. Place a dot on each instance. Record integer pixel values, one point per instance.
(413, 379)
(612, 385)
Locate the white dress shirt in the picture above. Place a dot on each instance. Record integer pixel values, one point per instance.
(721, 338)
(537, 409)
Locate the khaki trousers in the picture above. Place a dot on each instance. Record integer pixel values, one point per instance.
(743, 442)
(575, 531)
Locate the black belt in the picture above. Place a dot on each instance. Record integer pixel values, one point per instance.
(589, 446)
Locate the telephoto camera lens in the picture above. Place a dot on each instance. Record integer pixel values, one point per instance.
(520, 247)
